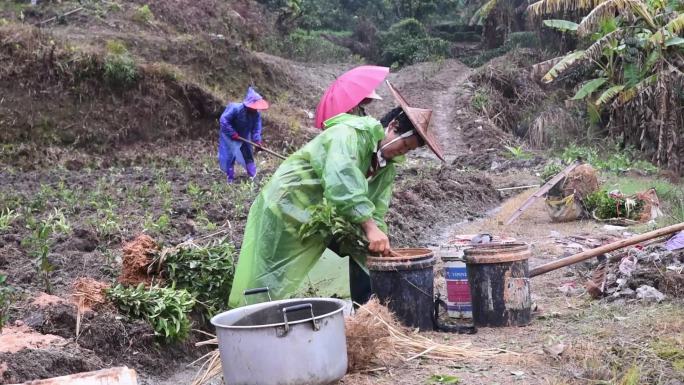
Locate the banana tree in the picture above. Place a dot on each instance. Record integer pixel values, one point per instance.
(637, 59)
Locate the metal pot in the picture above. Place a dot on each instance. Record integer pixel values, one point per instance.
(296, 341)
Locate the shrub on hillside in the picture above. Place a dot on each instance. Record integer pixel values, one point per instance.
(309, 46)
(408, 42)
(120, 69)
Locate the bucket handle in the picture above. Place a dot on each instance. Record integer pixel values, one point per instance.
(303, 306)
(258, 290)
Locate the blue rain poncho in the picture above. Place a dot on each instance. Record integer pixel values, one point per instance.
(332, 165)
(236, 119)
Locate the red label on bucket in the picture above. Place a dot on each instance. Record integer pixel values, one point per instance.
(458, 291)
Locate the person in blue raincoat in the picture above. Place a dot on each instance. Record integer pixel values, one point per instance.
(240, 120)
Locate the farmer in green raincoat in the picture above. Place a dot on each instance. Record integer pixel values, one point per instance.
(352, 165)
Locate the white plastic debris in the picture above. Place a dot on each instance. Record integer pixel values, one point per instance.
(628, 265)
(649, 293)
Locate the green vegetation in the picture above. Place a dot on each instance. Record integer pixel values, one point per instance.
(480, 100)
(165, 309)
(625, 68)
(616, 159)
(310, 46)
(7, 216)
(408, 42)
(550, 170)
(443, 379)
(6, 293)
(120, 69)
(325, 222)
(38, 244)
(143, 14)
(518, 153)
(604, 205)
(206, 272)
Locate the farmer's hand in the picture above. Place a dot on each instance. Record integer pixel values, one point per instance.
(258, 146)
(235, 136)
(377, 240)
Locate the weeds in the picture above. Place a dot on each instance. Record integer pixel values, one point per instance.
(443, 379)
(518, 153)
(206, 272)
(632, 377)
(616, 160)
(6, 293)
(120, 69)
(143, 14)
(480, 100)
(550, 170)
(7, 216)
(165, 309)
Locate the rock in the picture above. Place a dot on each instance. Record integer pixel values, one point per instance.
(649, 293)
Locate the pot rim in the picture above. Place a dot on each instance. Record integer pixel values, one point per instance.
(217, 325)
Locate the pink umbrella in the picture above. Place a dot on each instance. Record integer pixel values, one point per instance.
(348, 91)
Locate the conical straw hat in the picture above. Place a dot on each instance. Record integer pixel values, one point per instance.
(421, 121)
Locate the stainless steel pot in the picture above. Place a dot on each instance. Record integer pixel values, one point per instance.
(296, 341)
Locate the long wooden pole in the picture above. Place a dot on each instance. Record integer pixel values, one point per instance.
(543, 190)
(605, 249)
(263, 148)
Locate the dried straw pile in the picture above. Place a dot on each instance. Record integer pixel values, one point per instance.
(369, 341)
(395, 341)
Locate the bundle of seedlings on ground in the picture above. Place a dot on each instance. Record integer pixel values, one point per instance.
(165, 309)
(205, 271)
(6, 293)
(327, 223)
(604, 205)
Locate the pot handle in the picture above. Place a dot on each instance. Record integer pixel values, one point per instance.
(257, 291)
(303, 306)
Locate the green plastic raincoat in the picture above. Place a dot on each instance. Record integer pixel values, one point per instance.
(333, 165)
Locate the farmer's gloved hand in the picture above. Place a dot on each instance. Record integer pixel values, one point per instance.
(235, 136)
(377, 240)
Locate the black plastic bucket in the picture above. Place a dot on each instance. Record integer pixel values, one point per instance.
(499, 284)
(405, 285)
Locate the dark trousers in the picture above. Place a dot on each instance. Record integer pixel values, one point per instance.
(247, 153)
(359, 281)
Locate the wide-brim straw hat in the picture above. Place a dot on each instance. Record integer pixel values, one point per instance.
(420, 118)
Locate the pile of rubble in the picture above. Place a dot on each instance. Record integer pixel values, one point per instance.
(649, 273)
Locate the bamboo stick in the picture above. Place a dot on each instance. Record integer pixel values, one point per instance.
(583, 256)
